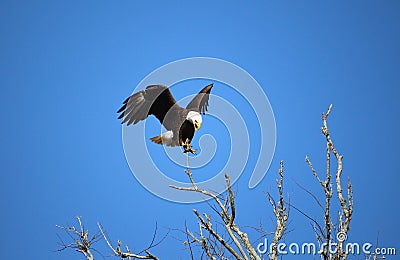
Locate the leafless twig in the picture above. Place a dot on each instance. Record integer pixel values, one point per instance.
(281, 215)
(80, 237)
(127, 254)
(241, 247)
(345, 214)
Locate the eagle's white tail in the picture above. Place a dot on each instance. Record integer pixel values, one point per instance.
(166, 138)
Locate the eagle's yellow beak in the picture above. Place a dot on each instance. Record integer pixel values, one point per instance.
(197, 126)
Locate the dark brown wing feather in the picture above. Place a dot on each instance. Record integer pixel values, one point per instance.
(154, 100)
(200, 101)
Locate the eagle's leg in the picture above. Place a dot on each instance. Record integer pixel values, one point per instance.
(188, 147)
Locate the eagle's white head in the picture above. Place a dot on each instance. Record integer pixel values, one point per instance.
(195, 118)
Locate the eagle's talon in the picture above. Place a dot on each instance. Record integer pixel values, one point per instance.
(188, 148)
(192, 151)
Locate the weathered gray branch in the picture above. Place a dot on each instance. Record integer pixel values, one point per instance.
(281, 215)
(82, 243)
(347, 208)
(346, 212)
(128, 254)
(227, 212)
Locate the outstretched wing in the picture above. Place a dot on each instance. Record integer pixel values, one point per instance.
(200, 101)
(154, 100)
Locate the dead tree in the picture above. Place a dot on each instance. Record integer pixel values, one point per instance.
(80, 241)
(326, 236)
(232, 240)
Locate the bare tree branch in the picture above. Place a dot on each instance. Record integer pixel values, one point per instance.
(128, 254)
(346, 208)
(280, 213)
(227, 212)
(82, 243)
(327, 187)
(345, 214)
(310, 193)
(208, 226)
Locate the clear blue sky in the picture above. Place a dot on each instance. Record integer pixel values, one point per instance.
(65, 67)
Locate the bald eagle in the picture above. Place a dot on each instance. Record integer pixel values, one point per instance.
(180, 122)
